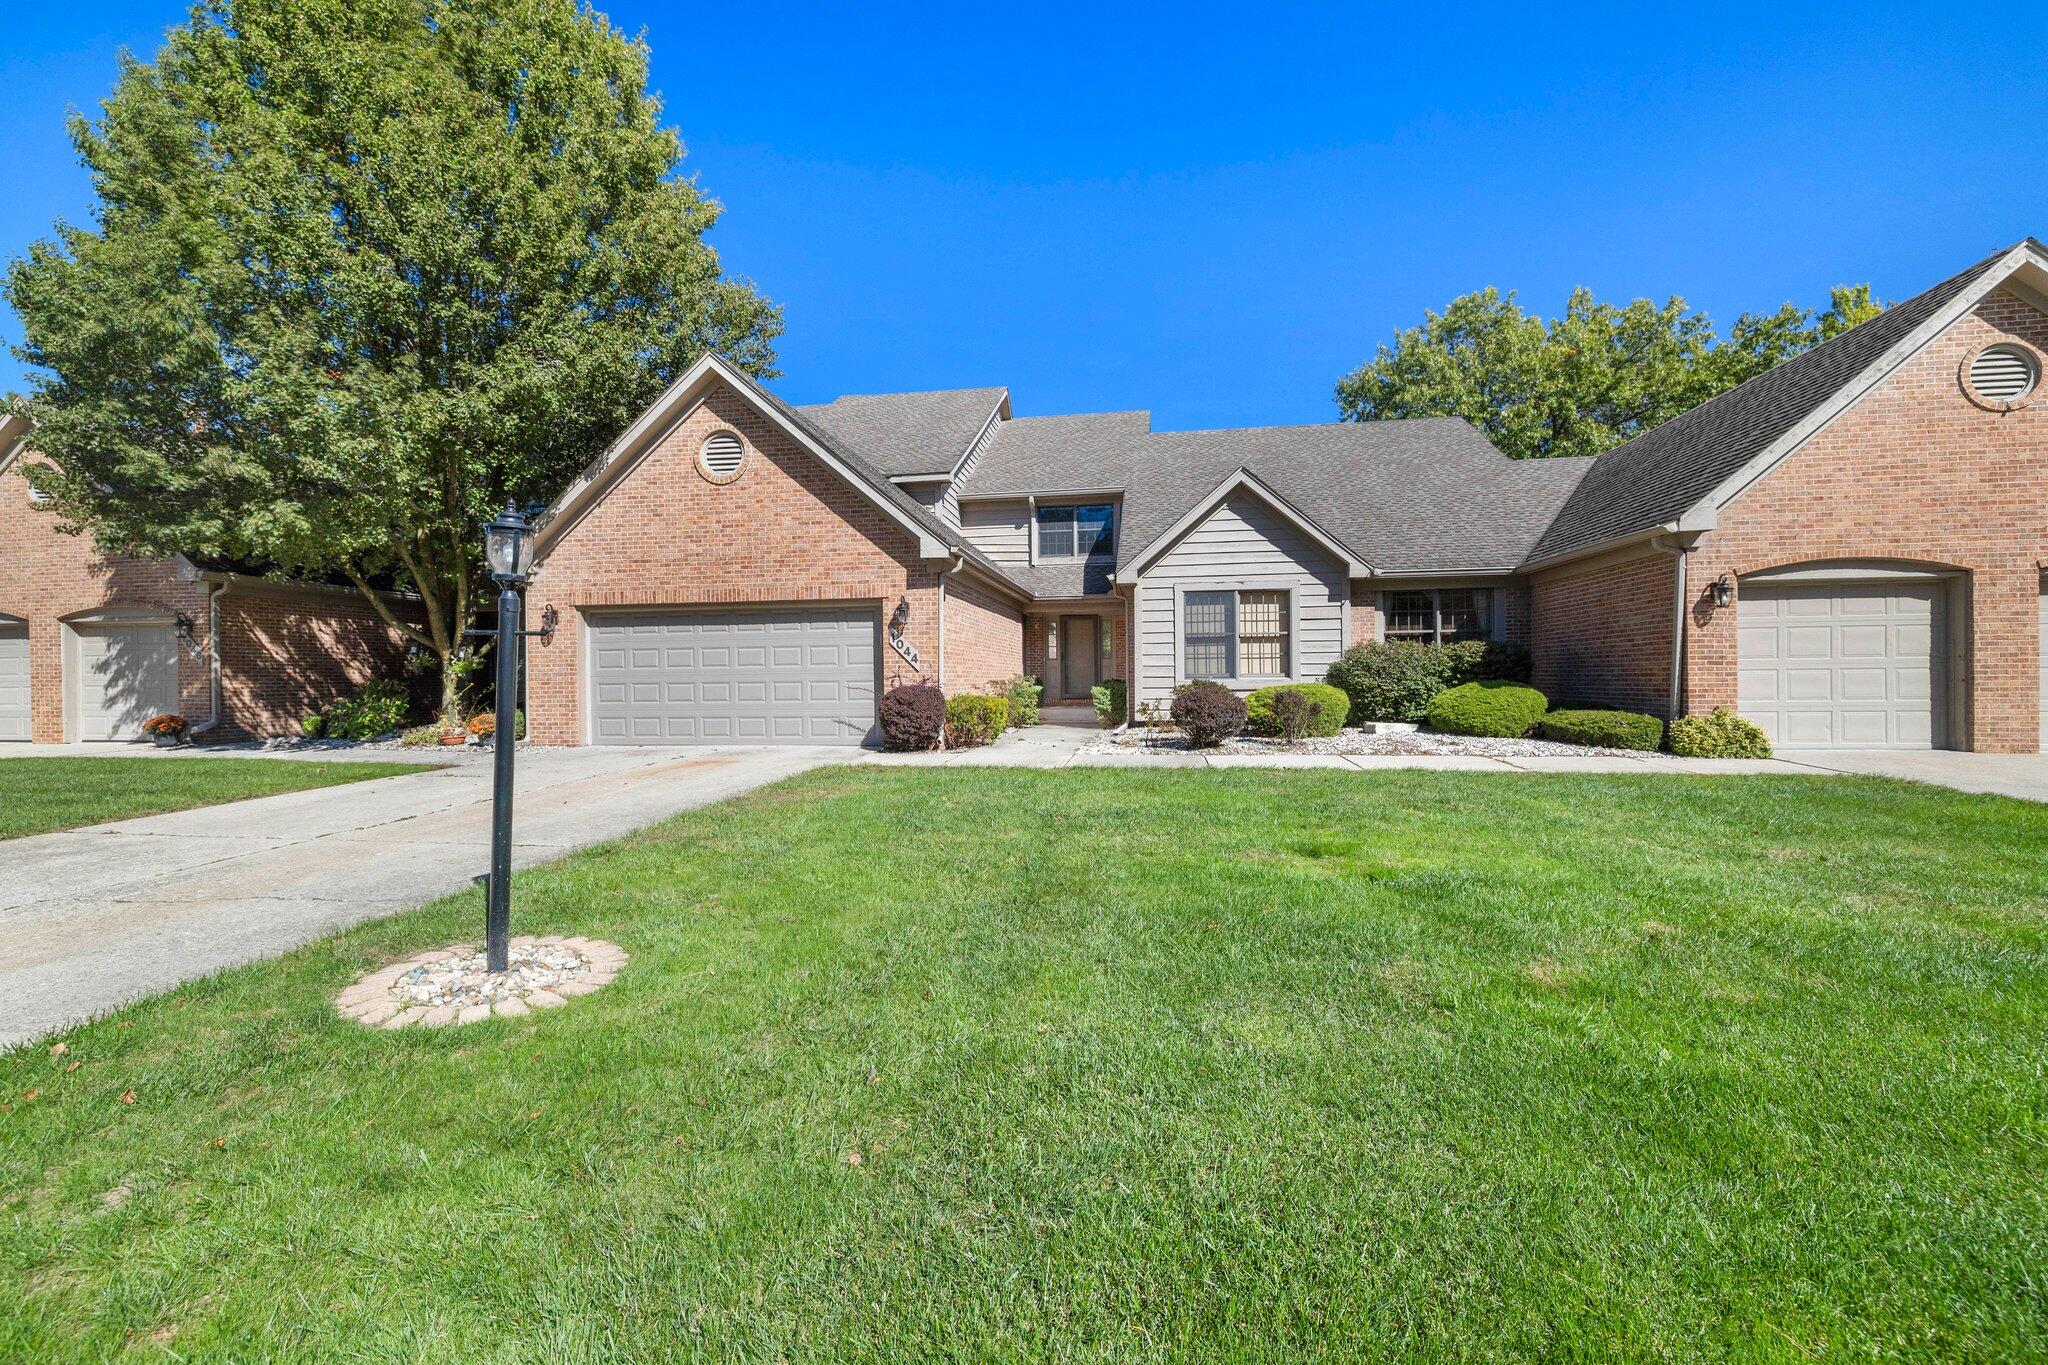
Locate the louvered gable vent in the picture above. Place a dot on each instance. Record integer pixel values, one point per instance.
(722, 454)
(2003, 374)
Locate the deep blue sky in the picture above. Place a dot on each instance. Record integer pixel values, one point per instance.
(1214, 211)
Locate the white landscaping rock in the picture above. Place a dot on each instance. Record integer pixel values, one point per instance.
(453, 985)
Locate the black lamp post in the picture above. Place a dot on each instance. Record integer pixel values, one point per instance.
(508, 554)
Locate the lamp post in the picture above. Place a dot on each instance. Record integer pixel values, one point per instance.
(508, 555)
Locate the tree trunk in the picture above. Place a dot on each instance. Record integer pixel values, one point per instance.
(451, 691)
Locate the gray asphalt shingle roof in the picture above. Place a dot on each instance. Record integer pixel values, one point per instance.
(908, 433)
(1663, 473)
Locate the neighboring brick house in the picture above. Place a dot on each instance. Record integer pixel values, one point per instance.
(92, 647)
(1848, 548)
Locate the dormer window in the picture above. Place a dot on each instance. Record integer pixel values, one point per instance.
(1076, 531)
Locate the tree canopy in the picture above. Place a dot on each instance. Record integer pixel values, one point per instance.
(1578, 384)
(359, 272)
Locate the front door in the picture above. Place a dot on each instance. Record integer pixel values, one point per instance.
(1080, 656)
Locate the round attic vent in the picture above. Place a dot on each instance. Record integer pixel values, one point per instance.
(2003, 376)
(721, 456)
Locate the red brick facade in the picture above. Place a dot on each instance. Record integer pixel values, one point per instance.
(984, 637)
(1913, 471)
(787, 529)
(283, 652)
(1603, 634)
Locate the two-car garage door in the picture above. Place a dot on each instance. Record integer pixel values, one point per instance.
(1842, 665)
(758, 675)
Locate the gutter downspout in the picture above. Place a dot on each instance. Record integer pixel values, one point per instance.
(945, 573)
(212, 655)
(1679, 554)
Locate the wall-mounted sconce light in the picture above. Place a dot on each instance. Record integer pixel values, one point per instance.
(1724, 590)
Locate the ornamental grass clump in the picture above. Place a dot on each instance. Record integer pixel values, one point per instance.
(1208, 713)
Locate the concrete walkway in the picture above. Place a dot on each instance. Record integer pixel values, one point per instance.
(92, 918)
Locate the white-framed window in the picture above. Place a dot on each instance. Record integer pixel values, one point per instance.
(1435, 616)
(1076, 530)
(1236, 633)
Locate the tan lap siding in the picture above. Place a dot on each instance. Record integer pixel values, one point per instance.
(1243, 542)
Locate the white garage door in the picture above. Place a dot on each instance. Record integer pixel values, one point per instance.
(13, 683)
(1841, 666)
(127, 672)
(752, 676)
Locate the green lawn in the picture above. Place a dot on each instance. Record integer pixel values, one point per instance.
(38, 795)
(1160, 1065)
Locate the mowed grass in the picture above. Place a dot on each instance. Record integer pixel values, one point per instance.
(38, 795)
(964, 1065)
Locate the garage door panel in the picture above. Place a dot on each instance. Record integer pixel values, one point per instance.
(14, 710)
(1839, 666)
(748, 676)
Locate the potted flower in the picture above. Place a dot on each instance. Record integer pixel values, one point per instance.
(453, 735)
(167, 731)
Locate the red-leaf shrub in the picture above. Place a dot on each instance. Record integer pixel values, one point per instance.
(913, 717)
(1207, 713)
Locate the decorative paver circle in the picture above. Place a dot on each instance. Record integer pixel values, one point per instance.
(451, 985)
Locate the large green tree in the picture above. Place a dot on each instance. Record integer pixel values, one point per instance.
(359, 272)
(1580, 383)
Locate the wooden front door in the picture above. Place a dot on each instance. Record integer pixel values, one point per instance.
(1080, 656)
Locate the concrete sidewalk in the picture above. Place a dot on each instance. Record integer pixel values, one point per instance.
(92, 918)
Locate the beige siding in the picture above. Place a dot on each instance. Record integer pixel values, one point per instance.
(1243, 543)
(935, 495)
(1000, 530)
(949, 503)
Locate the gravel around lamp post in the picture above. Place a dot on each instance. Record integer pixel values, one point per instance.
(455, 985)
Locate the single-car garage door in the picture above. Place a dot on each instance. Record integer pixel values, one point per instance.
(13, 682)
(749, 676)
(1844, 666)
(127, 672)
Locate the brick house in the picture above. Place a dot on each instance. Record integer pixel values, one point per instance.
(1849, 549)
(92, 647)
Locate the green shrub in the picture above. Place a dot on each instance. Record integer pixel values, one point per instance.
(380, 708)
(1208, 713)
(1112, 702)
(1395, 679)
(1262, 719)
(1023, 693)
(1721, 735)
(420, 737)
(973, 720)
(1603, 729)
(312, 726)
(1494, 708)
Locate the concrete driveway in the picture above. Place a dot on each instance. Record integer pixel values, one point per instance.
(93, 918)
(2022, 775)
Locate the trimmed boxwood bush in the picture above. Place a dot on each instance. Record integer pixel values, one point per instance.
(1208, 713)
(1721, 735)
(913, 717)
(1112, 702)
(1261, 718)
(1603, 729)
(973, 720)
(1494, 709)
(1395, 679)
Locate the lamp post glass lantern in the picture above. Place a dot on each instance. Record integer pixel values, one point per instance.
(508, 554)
